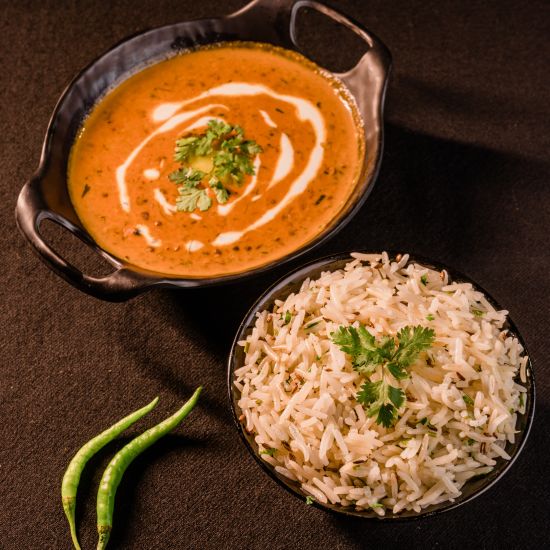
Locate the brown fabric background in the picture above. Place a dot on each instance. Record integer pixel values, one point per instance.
(465, 180)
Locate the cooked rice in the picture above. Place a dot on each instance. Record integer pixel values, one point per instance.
(297, 388)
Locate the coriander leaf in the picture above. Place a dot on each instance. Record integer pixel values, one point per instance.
(382, 401)
(478, 312)
(397, 371)
(190, 197)
(195, 176)
(251, 147)
(430, 317)
(185, 148)
(204, 202)
(187, 201)
(370, 392)
(386, 415)
(347, 338)
(412, 340)
(386, 348)
(368, 355)
(309, 500)
(468, 400)
(231, 156)
(268, 451)
(396, 396)
(222, 194)
(179, 176)
(218, 128)
(361, 345)
(186, 176)
(424, 279)
(234, 158)
(288, 317)
(376, 505)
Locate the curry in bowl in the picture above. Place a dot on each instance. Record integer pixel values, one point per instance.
(217, 161)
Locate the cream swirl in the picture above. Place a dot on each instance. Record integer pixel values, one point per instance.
(170, 116)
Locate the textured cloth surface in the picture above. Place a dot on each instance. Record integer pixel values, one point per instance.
(465, 180)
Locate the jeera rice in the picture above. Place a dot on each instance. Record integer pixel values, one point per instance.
(298, 389)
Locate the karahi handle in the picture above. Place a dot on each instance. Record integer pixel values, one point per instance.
(31, 211)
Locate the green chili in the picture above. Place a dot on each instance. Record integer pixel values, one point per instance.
(69, 485)
(115, 470)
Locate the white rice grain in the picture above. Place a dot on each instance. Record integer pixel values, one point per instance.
(298, 389)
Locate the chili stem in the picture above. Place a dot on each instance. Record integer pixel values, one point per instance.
(69, 485)
(112, 475)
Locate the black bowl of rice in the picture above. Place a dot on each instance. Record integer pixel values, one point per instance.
(422, 439)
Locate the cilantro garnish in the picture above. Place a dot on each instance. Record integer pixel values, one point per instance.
(468, 400)
(231, 157)
(268, 451)
(424, 280)
(309, 500)
(383, 356)
(287, 318)
(430, 317)
(478, 312)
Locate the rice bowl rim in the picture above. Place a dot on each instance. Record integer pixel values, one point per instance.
(292, 282)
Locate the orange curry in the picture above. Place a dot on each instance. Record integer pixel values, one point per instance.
(303, 119)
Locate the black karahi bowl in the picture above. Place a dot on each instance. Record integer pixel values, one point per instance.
(46, 196)
(291, 284)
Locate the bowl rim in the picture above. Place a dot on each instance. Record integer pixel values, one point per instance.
(300, 273)
(128, 279)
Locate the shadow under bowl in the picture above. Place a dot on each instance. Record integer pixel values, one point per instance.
(291, 284)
